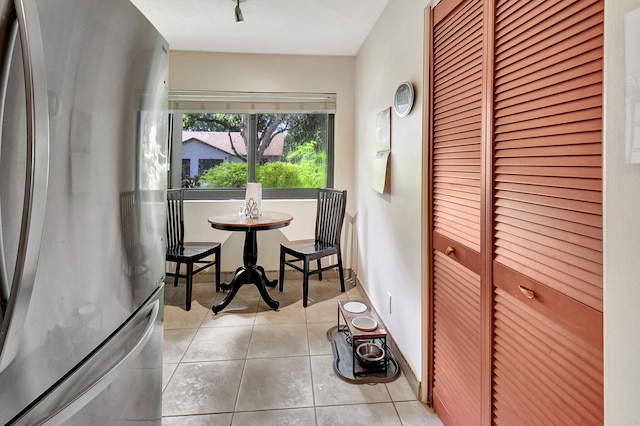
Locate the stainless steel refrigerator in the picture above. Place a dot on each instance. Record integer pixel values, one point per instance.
(83, 95)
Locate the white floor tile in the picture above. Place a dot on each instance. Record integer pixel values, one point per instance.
(278, 340)
(275, 383)
(175, 343)
(202, 388)
(358, 415)
(287, 313)
(167, 373)
(415, 413)
(329, 389)
(237, 313)
(177, 317)
(400, 390)
(318, 342)
(219, 343)
(294, 417)
(200, 420)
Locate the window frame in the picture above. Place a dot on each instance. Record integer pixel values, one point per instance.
(175, 160)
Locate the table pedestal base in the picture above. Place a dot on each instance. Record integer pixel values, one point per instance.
(248, 275)
(250, 272)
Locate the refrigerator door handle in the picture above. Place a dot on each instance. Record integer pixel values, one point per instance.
(16, 303)
(95, 372)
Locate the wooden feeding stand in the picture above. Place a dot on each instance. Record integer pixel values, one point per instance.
(365, 336)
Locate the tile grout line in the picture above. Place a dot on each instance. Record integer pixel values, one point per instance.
(244, 364)
(313, 393)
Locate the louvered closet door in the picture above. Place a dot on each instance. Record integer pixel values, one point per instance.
(548, 365)
(456, 120)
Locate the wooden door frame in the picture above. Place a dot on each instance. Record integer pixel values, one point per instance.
(426, 387)
(486, 214)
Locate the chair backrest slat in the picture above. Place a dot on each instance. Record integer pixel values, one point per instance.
(175, 218)
(330, 213)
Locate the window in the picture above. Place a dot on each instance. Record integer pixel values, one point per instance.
(186, 169)
(283, 141)
(204, 164)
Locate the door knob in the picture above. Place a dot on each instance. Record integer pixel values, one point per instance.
(529, 294)
(449, 250)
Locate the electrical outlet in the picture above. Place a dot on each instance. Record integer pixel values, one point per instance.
(389, 301)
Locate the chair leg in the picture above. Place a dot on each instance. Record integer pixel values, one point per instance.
(281, 275)
(340, 271)
(305, 282)
(319, 271)
(189, 285)
(217, 270)
(177, 276)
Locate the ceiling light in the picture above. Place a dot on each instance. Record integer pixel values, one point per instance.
(239, 17)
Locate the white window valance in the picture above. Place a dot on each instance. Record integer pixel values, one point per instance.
(252, 102)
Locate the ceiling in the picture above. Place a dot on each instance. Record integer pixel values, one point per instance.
(297, 27)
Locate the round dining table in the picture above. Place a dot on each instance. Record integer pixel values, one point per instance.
(250, 272)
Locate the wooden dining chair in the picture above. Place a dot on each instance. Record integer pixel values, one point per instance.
(299, 254)
(189, 254)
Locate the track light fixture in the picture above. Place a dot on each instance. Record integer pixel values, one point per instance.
(239, 17)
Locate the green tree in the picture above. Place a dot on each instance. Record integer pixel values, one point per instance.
(298, 128)
(304, 128)
(269, 125)
(225, 175)
(279, 175)
(312, 164)
(212, 122)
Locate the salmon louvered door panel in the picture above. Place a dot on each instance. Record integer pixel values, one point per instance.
(548, 130)
(548, 365)
(455, 182)
(542, 374)
(457, 342)
(457, 77)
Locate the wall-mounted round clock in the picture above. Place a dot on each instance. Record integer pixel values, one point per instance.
(403, 99)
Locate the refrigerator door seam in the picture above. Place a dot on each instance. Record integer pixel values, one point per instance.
(36, 180)
(9, 30)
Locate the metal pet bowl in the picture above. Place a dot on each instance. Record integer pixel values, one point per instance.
(370, 354)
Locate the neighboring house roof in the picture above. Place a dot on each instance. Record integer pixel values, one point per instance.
(220, 140)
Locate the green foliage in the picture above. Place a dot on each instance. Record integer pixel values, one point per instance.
(226, 175)
(279, 175)
(312, 163)
(303, 128)
(212, 122)
(307, 169)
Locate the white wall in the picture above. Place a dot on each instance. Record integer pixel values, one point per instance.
(621, 233)
(390, 225)
(270, 73)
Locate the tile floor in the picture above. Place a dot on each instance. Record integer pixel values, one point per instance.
(250, 365)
